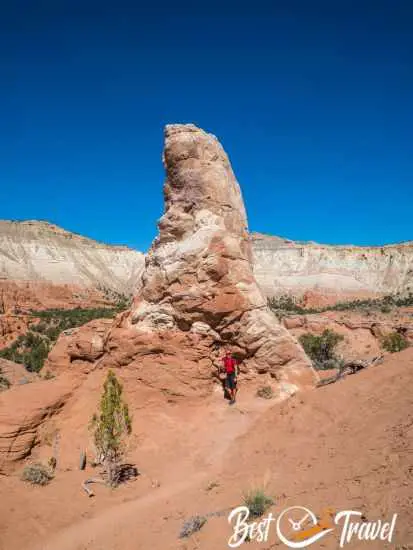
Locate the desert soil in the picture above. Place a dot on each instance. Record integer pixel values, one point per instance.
(345, 446)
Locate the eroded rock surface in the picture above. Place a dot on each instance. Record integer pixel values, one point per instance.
(23, 410)
(198, 286)
(15, 373)
(79, 347)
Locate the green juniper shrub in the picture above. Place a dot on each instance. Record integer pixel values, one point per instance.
(321, 349)
(39, 327)
(29, 349)
(111, 426)
(394, 342)
(52, 333)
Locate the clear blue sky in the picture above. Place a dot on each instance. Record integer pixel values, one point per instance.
(312, 100)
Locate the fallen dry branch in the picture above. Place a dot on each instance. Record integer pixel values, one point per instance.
(350, 367)
(124, 473)
(85, 484)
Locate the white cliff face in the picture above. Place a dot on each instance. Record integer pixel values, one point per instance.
(39, 251)
(283, 266)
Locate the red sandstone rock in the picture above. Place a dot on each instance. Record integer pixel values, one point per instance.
(15, 372)
(23, 409)
(198, 277)
(79, 346)
(20, 297)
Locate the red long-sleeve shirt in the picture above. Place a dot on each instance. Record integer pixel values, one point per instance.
(229, 364)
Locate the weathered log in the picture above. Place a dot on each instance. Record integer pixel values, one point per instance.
(350, 367)
(123, 473)
(85, 484)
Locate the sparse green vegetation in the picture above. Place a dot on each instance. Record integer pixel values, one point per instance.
(29, 349)
(321, 349)
(4, 381)
(288, 304)
(257, 501)
(395, 342)
(121, 300)
(32, 348)
(266, 392)
(110, 427)
(63, 319)
(37, 474)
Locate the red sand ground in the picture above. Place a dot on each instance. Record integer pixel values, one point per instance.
(348, 446)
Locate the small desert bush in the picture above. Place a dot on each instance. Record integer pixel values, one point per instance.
(4, 382)
(192, 525)
(257, 501)
(37, 474)
(266, 392)
(394, 342)
(321, 349)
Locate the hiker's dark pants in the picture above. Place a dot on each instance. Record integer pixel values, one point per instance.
(231, 382)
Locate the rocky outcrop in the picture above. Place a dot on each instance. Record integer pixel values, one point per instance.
(79, 347)
(23, 410)
(198, 286)
(13, 326)
(334, 273)
(38, 251)
(15, 373)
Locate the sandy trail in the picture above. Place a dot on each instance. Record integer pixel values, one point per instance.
(210, 432)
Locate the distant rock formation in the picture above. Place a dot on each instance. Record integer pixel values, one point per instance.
(198, 287)
(42, 265)
(334, 273)
(37, 251)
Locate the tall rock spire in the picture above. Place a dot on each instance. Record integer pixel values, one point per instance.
(198, 279)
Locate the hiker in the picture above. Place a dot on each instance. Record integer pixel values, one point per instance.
(230, 370)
